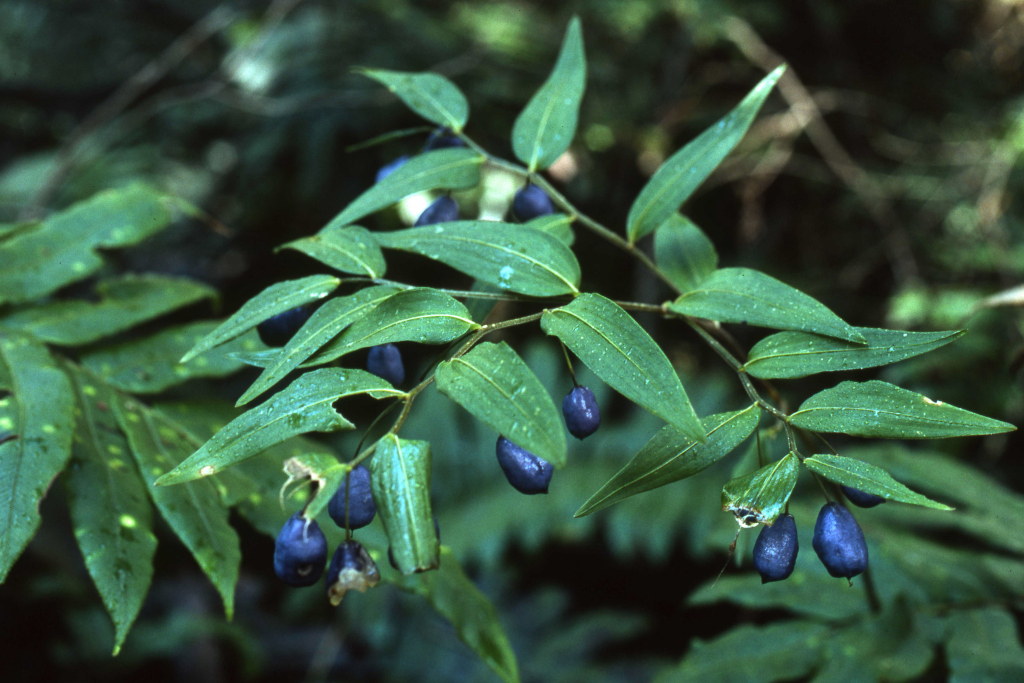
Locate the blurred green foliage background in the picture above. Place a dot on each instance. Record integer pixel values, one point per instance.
(883, 180)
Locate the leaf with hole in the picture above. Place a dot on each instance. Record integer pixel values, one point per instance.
(763, 494)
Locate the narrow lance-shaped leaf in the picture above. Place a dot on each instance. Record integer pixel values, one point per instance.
(515, 258)
(670, 456)
(36, 424)
(797, 354)
(150, 365)
(124, 302)
(475, 619)
(684, 253)
(760, 497)
(741, 295)
(110, 513)
(545, 128)
(430, 95)
(881, 410)
(867, 478)
(350, 249)
(63, 249)
(422, 315)
(304, 406)
(456, 168)
(494, 384)
(325, 324)
(400, 481)
(194, 512)
(621, 353)
(685, 170)
(273, 300)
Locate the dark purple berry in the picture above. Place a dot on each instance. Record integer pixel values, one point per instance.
(861, 499)
(352, 569)
(442, 210)
(389, 168)
(582, 416)
(276, 331)
(839, 542)
(385, 361)
(525, 471)
(361, 508)
(775, 550)
(442, 138)
(531, 202)
(300, 552)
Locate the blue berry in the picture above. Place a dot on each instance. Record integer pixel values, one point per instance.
(300, 552)
(361, 508)
(861, 499)
(775, 550)
(276, 331)
(839, 542)
(582, 416)
(385, 361)
(526, 472)
(351, 568)
(390, 167)
(531, 202)
(442, 138)
(441, 210)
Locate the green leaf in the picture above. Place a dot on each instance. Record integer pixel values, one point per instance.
(421, 314)
(400, 481)
(111, 516)
(867, 478)
(513, 257)
(684, 253)
(63, 248)
(546, 127)
(881, 410)
(305, 406)
(741, 295)
(457, 599)
(432, 96)
(37, 405)
(494, 384)
(685, 170)
(984, 645)
(763, 493)
(194, 512)
(780, 651)
(557, 225)
(457, 168)
(150, 365)
(124, 302)
(801, 593)
(797, 354)
(621, 353)
(273, 300)
(670, 456)
(324, 325)
(351, 250)
(323, 470)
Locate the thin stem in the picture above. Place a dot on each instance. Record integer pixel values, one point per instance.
(568, 362)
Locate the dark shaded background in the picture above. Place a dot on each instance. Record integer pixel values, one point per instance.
(886, 185)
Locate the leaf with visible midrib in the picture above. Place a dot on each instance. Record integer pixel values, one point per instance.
(430, 95)
(621, 353)
(670, 456)
(40, 411)
(350, 249)
(515, 258)
(742, 295)
(494, 384)
(867, 478)
(684, 253)
(400, 482)
(546, 126)
(304, 406)
(881, 410)
(797, 354)
(685, 170)
(764, 492)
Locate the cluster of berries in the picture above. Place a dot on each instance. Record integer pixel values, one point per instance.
(838, 541)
